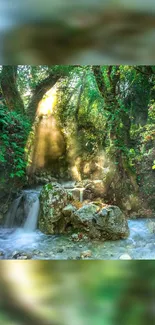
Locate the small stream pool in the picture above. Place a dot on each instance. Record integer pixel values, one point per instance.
(21, 244)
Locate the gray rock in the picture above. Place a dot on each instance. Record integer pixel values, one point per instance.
(108, 224)
(68, 210)
(86, 213)
(75, 237)
(85, 254)
(58, 215)
(53, 199)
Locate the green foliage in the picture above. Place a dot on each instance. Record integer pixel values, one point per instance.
(108, 109)
(151, 111)
(153, 167)
(14, 130)
(48, 187)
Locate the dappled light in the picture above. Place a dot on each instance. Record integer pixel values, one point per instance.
(75, 173)
(46, 105)
(48, 143)
(77, 162)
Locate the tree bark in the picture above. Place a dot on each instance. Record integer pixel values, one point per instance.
(9, 88)
(119, 136)
(112, 105)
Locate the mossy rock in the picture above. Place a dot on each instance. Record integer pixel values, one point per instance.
(53, 199)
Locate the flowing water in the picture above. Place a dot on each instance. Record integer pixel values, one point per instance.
(81, 194)
(20, 238)
(32, 218)
(24, 210)
(35, 245)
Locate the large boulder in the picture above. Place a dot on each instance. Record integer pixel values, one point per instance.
(108, 223)
(53, 199)
(59, 214)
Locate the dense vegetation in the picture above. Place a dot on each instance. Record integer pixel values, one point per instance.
(106, 117)
(101, 126)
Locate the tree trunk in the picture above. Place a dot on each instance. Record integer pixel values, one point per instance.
(42, 88)
(116, 114)
(39, 92)
(9, 88)
(118, 122)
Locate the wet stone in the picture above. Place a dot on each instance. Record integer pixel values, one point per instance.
(60, 250)
(75, 237)
(85, 254)
(21, 256)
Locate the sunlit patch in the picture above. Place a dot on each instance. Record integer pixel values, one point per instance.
(47, 144)
(75, 173)
(86, 168)
(47, 104)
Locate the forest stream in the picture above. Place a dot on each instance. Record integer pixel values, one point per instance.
(27, 242)
(93, 127)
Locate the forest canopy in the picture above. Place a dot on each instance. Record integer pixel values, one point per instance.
(98, 117)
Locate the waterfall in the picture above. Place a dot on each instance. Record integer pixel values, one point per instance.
(81, 194)
(24, 211)
(32, 218)
(12, 213)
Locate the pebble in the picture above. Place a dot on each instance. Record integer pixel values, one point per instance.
(60, 250)
(85, 254)
(125, 257)
(75, 237)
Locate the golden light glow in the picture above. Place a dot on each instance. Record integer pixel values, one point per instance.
(86, 168)
(75, 173)
(48, 142)
(47, 104)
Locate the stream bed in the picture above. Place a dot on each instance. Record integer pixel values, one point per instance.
(22, 244)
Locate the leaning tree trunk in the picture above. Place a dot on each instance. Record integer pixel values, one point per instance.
(9, 88)
(39, 92)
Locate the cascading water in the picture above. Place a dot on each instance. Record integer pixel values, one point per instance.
(81, 194)
(13, 212)
(32, 218)
(23, 239)
(24, 211)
